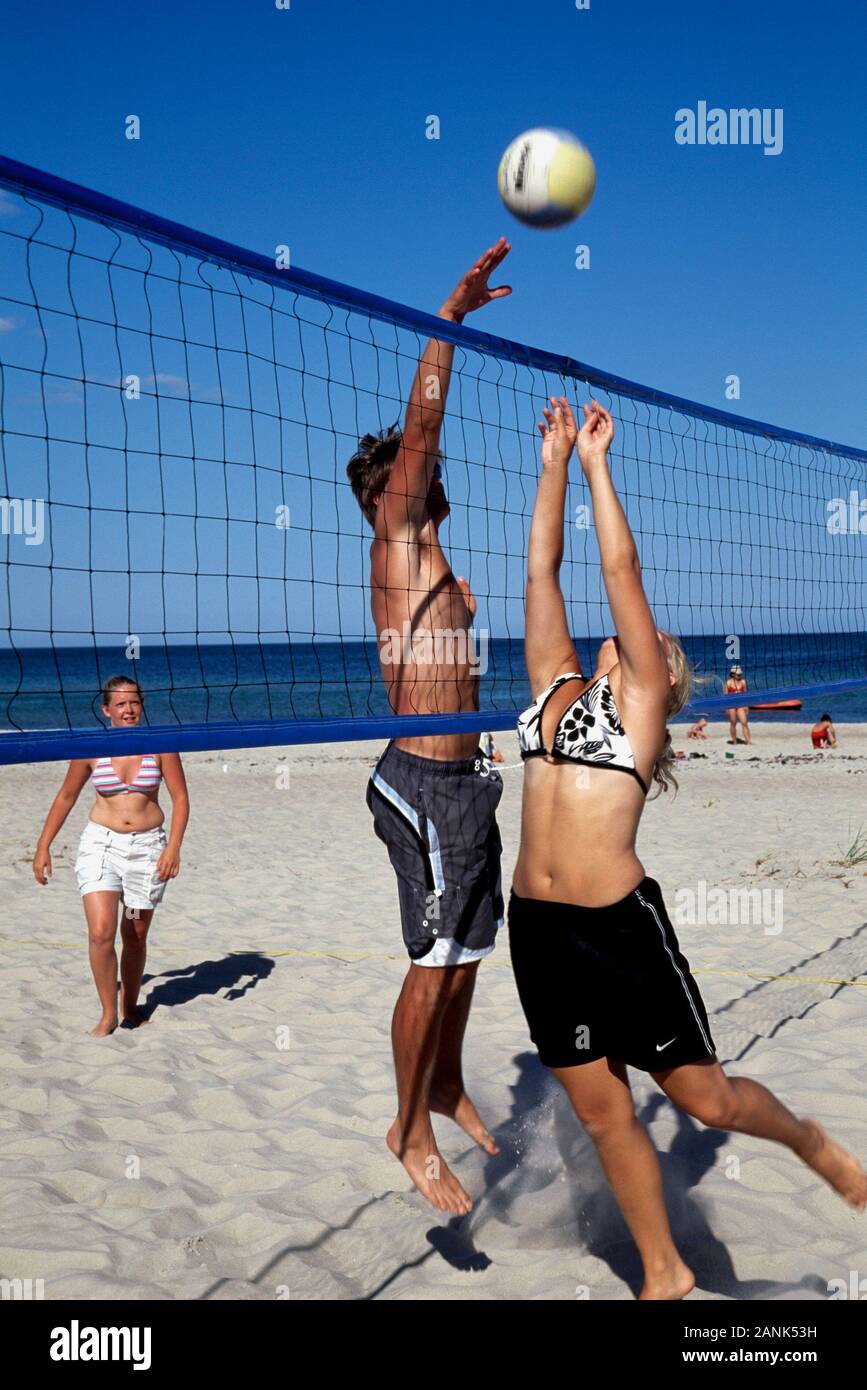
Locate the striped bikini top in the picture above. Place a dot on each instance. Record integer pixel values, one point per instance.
(589, 731)
(107, 782)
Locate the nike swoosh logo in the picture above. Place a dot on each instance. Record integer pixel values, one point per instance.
(660, 1047)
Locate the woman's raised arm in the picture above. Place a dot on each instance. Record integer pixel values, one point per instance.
(644, 671)
(548, 646)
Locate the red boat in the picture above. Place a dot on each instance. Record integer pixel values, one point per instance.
(779, 704)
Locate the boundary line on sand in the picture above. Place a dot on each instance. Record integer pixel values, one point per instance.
(382, 955)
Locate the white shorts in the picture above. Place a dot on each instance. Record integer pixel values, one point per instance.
(111, 862)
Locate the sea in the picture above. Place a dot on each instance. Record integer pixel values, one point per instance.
(194, 683)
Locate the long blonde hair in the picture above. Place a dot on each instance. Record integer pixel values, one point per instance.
(678, 664)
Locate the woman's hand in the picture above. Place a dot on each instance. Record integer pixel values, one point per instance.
(595, 437)
(169, 863)
(42, 866)
(558, 433)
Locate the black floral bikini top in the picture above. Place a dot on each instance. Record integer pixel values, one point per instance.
(589, 731)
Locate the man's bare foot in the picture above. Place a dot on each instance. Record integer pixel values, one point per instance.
(669, 1284)
(454, 1102)
(136, 1018)
(430, 1172)
(838, 1167)
(103, 1028)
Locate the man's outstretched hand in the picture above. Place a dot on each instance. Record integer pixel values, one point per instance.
(472, 291)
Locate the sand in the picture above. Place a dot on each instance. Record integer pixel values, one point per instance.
(234, 1147)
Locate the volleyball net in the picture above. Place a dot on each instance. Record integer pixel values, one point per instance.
(176, 416)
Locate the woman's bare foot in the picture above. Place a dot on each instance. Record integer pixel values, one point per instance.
(104, 1027)
(673, 1282)
(430, 1172)
(454, 1102)
(838, 1167)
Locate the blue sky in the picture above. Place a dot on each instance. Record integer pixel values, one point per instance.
(306, 126)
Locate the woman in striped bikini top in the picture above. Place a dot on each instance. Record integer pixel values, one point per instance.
(108, 783)
(124, 855)
(114, 808)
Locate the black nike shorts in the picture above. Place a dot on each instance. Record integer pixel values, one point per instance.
(607, 982)
(438, 822)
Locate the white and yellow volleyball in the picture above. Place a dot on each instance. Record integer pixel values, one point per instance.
(546, 178)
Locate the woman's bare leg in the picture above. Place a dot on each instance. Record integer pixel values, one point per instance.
(100, 909)
(738, 1103)
(133, 932)
(601, 1098)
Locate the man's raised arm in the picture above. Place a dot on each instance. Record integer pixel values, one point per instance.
(406, 492)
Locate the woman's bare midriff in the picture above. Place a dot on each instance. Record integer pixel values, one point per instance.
(578, 829)
(127, 812)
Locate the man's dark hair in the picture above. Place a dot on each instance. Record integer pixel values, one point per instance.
(368, 469)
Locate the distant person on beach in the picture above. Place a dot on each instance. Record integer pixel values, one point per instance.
(698, 728)
(736, 685)
(823, 733)
(124, 855)
(490, 749)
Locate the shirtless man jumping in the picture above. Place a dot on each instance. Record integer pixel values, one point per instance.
(433, 798)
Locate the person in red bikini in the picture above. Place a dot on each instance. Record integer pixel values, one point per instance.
(823, 733)
(123, 854)
(736, 685)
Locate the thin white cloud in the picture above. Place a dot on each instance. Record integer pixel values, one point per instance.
(7, 325)
(7, 207)
(169, 379)
(69, 393)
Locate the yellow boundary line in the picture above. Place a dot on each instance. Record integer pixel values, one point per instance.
(381, 955)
